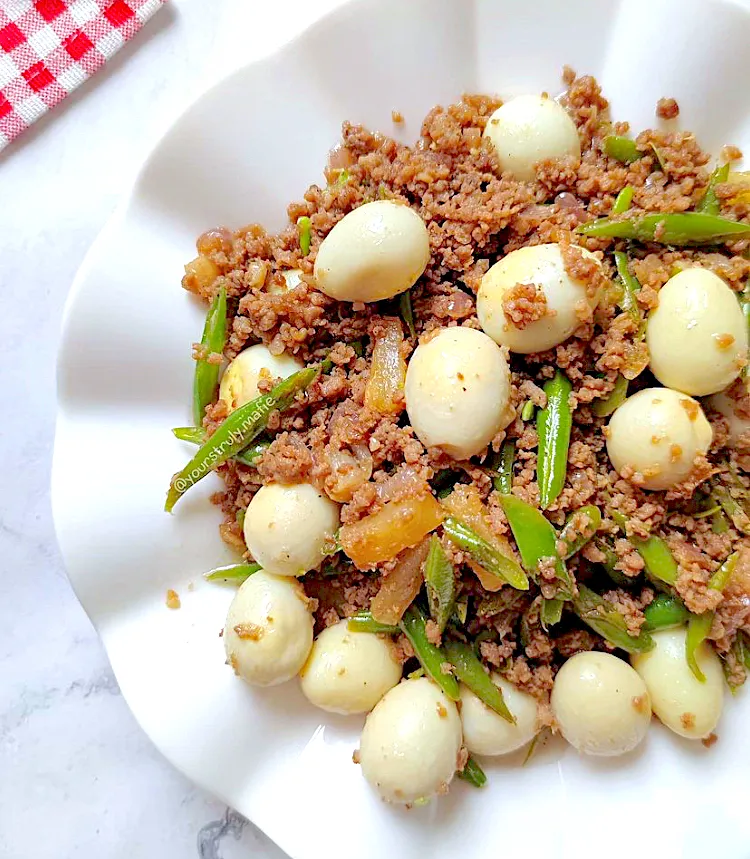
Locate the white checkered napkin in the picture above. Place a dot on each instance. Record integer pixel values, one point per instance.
(49, 47)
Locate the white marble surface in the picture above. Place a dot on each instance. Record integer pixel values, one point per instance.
(78, 779)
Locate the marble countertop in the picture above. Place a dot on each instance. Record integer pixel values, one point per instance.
(78, 778)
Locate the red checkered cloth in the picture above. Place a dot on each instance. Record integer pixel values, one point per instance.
(49, 47)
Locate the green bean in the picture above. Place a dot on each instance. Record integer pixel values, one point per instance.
(461, 611)
(431, 657)
(610, 565)
(656, 554)
(485, 555)
(623, 200)
(363, 621)
(699, 625)
(631, 287)
(440, 578)
(553, 424)
(719, 523)
(473, 773)
(665, 612)
(551, 612)
(571, 534)
(232, 574)
(683, 228)
(617, 396)
(471, 673)
(731, 507)
(536, 539)
(605, 620)
(621, 149)
(444, 482)
(659, 158)
(744, 299)
(237, 432)
(304, 229)
(341, 179)
(741, 658)
(503, 465)
(407, 313)
(527, 412)
(710, 202)
(206, 379)
(195, 435)
(249, 456)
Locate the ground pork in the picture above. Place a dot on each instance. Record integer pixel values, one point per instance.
(474, 215)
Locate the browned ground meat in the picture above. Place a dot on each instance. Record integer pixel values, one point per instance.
(524, 303)
(667, 108)
(474, 215)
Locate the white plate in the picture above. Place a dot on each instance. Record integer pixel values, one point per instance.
(239, 154)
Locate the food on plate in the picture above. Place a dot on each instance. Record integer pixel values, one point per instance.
(655, 437)
(290, 528)
(532, 300)
(239, 382)
(488, 733)
(529, 129)
(601, 705)
(697, 335)
(686, 705)
(411, 742)
(349, 671)
(269, 629)
(376, 251)
(482, 432)
(457, 392)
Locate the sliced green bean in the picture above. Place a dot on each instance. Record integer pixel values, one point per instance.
(623, 200)
(206, 379)
(432, 658)
(461, 611)
(710, 202)
(719, 523)
(605, 620)
(527, 412)
(621, 149)
(681, 229)
(571, 534)
(553, 424)
(485, 555)
(237, 432)
(473, 773)
(656, 554)
(249, 456)
(741, 657)
(444, 482)
(232, 574)
(195, 435)
(536, 539)
(304, 229)
(744, 299)
(631, 287)
(440, 578)
(610, 565)
(731, 507)
(471, 673)
(551, 612)
(363, 621)
(699, 625)
(407, 313)
(665, 612)
(661, 161)
(605, 407)
(503, 466)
